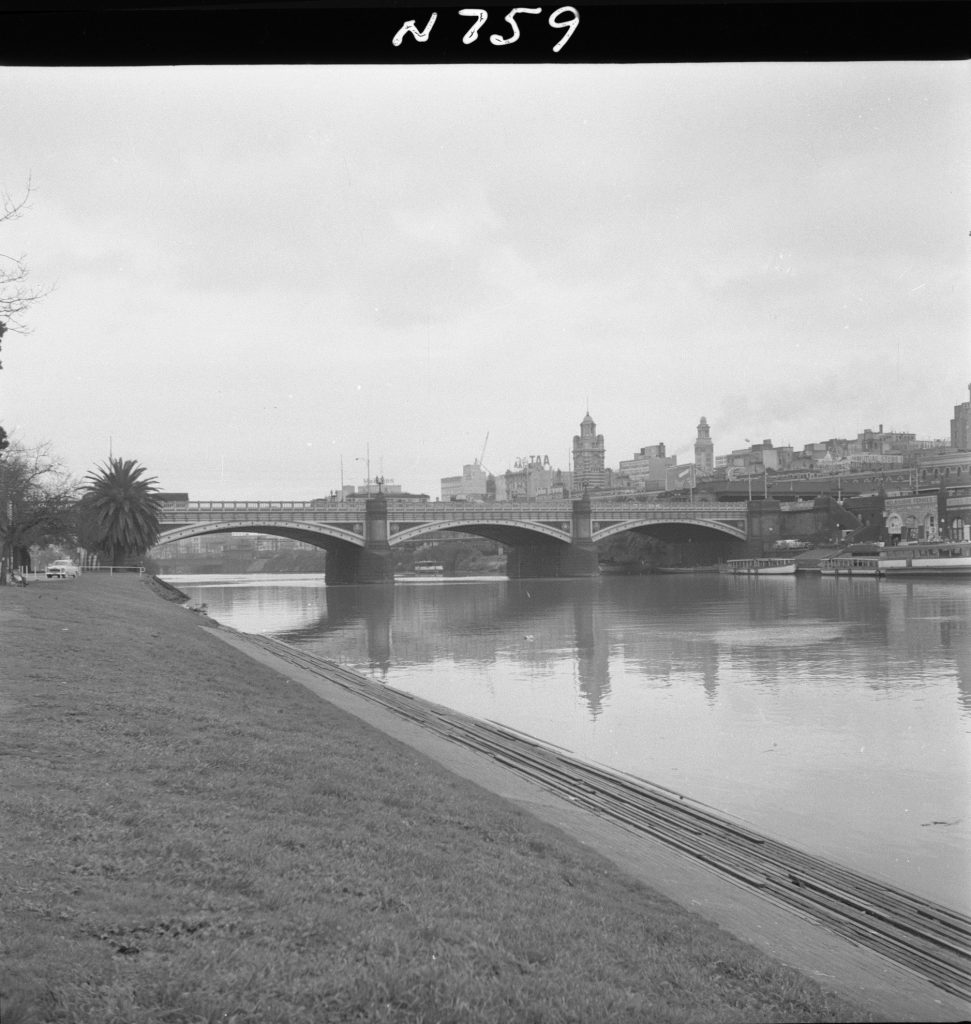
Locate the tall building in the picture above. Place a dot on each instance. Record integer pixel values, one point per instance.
(648, 469)
(532, 478)
(961, 426)
(588, 457)
(704, 450)
(472, 484)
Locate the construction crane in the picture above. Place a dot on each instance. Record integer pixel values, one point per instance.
(482, 456)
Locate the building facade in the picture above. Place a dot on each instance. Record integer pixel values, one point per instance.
(589, 472)
(756, 460)
(913, 517)
(532, 479)
(961, 426)
(649, 469)
(472, 485)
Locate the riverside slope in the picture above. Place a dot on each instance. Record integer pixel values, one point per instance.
(190, 836)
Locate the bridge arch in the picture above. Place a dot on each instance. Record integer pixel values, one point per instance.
(521, 529)
(320, 535)
(718, 526)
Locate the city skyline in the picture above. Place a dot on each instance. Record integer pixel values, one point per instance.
(267, 279)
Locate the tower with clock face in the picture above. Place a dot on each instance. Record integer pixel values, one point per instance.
(588, 457)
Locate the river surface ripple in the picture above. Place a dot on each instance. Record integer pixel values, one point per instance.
(831, 714)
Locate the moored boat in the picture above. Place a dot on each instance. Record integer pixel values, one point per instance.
(676, 569)
(851, 565)
(423, 571)
(429, 569)
(927, 558)
(761, 566)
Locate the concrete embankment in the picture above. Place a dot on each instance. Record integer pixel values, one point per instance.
(140, 723)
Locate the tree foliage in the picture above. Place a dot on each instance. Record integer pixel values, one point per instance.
(37, 503)
(118, 511)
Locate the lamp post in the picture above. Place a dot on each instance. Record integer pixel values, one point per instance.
(367, 468)
(748, 468)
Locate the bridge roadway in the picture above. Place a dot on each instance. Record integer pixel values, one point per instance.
(556, 538)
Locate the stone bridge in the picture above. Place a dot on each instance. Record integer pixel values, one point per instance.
(557, 538)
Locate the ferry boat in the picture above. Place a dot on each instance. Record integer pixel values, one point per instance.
(421, 571)
(851, 565)
(429, 569)
(927, 558)
(761, 566)
(676, 569)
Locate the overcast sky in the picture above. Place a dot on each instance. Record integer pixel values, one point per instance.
(259, 272)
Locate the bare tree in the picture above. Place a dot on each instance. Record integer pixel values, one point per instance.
(38, 504)
(15, 294)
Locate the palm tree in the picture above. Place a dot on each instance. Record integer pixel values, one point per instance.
(119, 511)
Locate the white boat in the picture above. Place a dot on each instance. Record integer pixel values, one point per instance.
(761, 566)
(851, 565)
(422, 571)
(927, 558)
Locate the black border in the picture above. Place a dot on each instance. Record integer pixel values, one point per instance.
(74, 33)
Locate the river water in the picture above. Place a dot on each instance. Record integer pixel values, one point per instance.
(831, 714)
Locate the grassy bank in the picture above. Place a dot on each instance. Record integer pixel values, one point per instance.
(188, 837)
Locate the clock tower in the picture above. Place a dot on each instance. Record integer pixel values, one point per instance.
(704, 450)
(588, 457)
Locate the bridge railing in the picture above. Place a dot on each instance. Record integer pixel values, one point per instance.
(457, 511)
(258, 511)
(630, 510)
(232, 506)
(191, 511)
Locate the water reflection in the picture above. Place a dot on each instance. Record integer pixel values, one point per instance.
(592, 655)
(832, 713)
(884, 634)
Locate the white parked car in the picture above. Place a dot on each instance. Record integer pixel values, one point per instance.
(62, 569)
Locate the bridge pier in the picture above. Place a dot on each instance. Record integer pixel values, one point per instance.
(375, 564)
(580, 557)
(341, 565)
(536, 561)
(764, 526)
(577, 559)
(372, 563)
